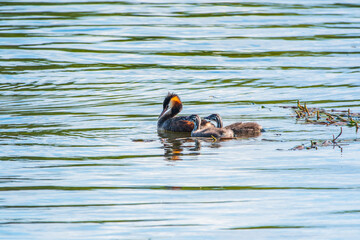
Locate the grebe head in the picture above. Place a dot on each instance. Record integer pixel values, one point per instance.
(196, 120)
(215, 117)
(171, 103)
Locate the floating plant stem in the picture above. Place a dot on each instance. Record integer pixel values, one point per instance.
(306, 109)
(335, 138)
(299, 106)
(325, 117)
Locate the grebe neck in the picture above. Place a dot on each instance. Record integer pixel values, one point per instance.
(219, 121)
(169, 113)
(197, 124)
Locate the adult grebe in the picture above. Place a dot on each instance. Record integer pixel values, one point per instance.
(239, 128)
(210, 131)
(172, 105)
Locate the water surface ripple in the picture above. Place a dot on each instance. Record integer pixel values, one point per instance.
(81, 87)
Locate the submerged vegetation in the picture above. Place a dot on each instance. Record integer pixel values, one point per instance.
(315, 144)
(325, 117)
(330, 117)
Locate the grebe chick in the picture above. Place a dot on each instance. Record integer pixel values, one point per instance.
(172, 105)
(239, 128)
(198, 131)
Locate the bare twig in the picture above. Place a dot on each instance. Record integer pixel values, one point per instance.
(335, 138)
(329, 115)
(299, 106)
(306, 109)
(316, 144)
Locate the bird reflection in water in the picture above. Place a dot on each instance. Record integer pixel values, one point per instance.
(175, 144)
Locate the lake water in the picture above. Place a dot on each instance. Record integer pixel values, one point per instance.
(82, 85)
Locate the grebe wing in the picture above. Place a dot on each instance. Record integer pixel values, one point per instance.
(206, 133)
(214, 132)
(178, 124)
(244, 128)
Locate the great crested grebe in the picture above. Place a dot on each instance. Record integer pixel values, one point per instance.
(210, 131)
(239, 128)
(172, 105)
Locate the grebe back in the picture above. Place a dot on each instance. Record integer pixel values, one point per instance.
(239, 128)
